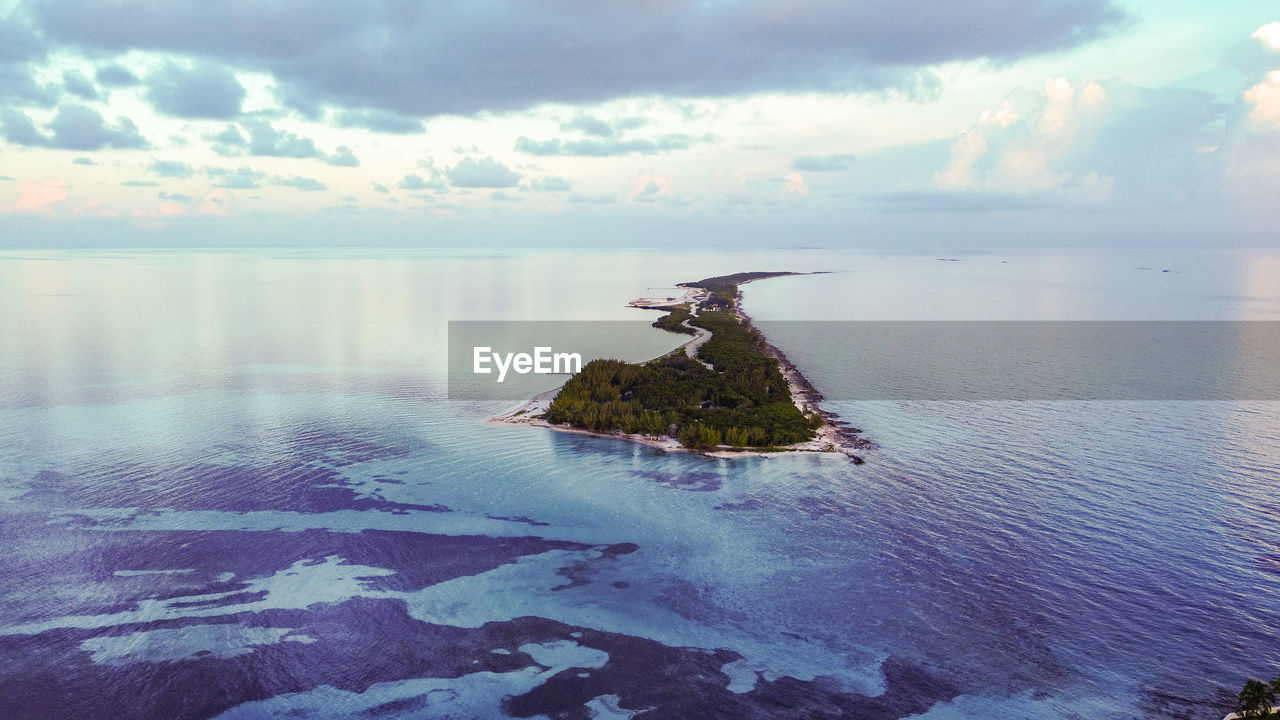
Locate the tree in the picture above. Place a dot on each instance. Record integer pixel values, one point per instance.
(1257, 698)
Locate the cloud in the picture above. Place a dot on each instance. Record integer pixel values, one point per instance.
(550, 183)
(591, 125)
(822, 163)
(18, 85)
(1251, 144)
(411, 182)
(75, 127)
(41, 197)
(483, 173)
(259, 138)
(379, 187)
(793, 184)
(242, 178)
(298, 182)
(172, 169)
(1269, 35)
(202, 91)
(78, 85)
(343, 157)
(379, 121)
(610, 147)
(267, 141)
(83, 161)
(18, 41)
(646, 186)
(459, 57)
(18, 129)
(140, 183)
(115, 76)
(1263, 99)
(1086, 140)
(504, 196)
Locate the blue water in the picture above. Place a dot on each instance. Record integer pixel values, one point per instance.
(230, 485)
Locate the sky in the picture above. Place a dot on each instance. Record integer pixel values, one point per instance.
(811, 123)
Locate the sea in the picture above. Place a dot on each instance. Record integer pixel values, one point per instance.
(232, 485)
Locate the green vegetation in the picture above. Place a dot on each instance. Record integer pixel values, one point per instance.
(674, 320)
(1258, 698)
(742, 400)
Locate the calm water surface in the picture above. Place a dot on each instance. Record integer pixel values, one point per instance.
(230, 486)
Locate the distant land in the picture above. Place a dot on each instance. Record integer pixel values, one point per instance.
(724, 392)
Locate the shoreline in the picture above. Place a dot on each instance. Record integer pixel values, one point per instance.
(831, 437)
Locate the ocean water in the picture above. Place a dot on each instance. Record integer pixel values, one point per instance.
(231, 486)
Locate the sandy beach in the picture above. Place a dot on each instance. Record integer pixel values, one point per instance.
(830, 437)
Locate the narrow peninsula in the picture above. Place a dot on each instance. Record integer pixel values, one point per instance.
(726, 391)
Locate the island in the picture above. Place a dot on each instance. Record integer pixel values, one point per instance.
(724, 392)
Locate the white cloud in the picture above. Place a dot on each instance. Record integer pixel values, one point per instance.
(1082, 141)
(40, 197)
(793, 184)
(1269, 35)
(646, 185)
(1264, 99)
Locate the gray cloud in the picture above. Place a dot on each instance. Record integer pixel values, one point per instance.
(343, 157)
(436, 182)
(170, 168)
(591, 125)
(115, 76)
(83, 161)
(264, 140)
(204, 90)
(140, 183)
(460, 57)
(822, 163)
(79, 85)
(298, 182)
(18, 42)
(242, 178)
(18, 129)
(483, 173)
(229, 141)
(267, 141)
(550, 183)
(18, 85)
(379, 121)
(610, 147)
(75, 127)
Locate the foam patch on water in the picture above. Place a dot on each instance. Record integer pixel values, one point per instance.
(565, 653)
(477, 695)
(605, 707)
(218, 641)
(302, 584)
(525, 588)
